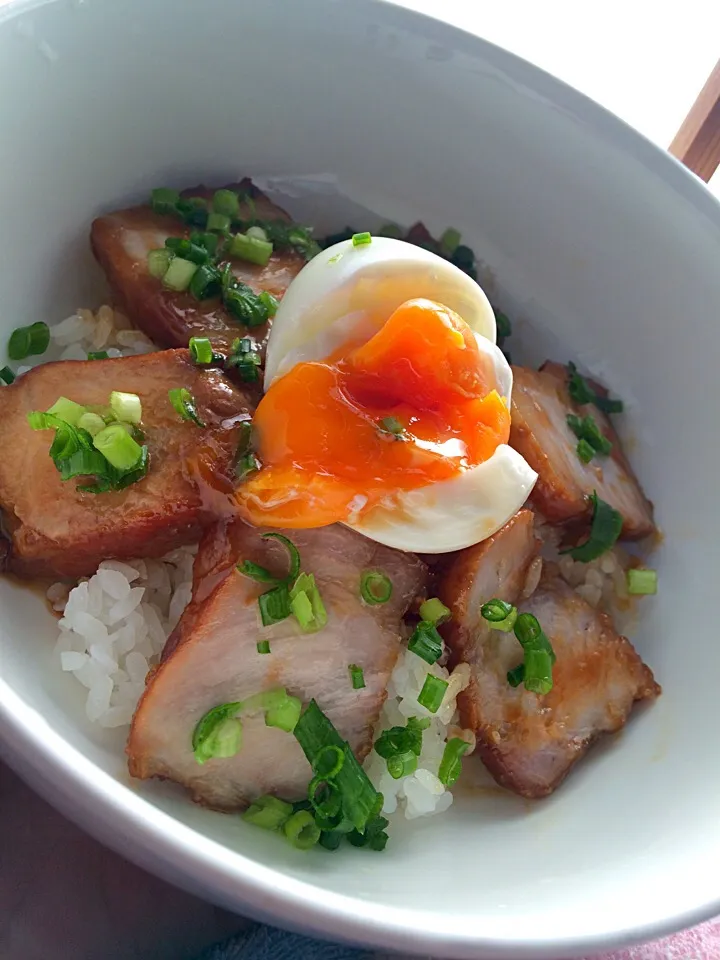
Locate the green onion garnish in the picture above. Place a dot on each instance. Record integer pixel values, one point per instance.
(218, 734)
(328, 761)
(499, 615)
(284, 713)
(98, 355)
(245, 358)
(283, 235)
(67, 410)
(605, 529)
(589, 435)
(207, 240)
(392, 426)
(201, 350)
(268, 812)
(158, 262)
(451, 763)
(402, 764)
(205, 282)
(361, 239)
(246, 462)
(179, 273)
(251, 249)
(126, 406)
(192, 210)
(29, 341)
(539, 656)
(426, 642)
(642, 581)
(274, 605)
(360, 800)
(256, 572)
(218, 223)
(263, 646)
(324, 797)
(306, 604)
(252, 309)
(301, 830)
(227, 202)
(118, 447)
(432, 693)
(399, 740)
(538, 670)
(503, 325)
(516, 676)
(375, 587)
(7, 376)
(434, 611)
(164, 200)
(357, 677)
(184, 404)
(449, 242)
(581, 392)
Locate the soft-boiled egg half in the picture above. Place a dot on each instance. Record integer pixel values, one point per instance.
(387, 404)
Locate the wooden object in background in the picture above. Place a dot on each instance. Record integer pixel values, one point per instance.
(697, 142)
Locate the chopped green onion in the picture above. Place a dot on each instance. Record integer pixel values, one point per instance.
(581, 392)
(375, 587)
(81, 463)
(503, 326)
(118, 447)
(331, 839)
(587, 430)
(268, 812)
(256, 572)
(207, 240)
(218, 734)
(245, 466)
(218, 223)
(262, 575)
(257, 233)
(205, 283)
(126, 406)
(357, 676)
(192, 210)
(392, 426)
(301, 830)
(538, 670)
(284, 714)
(67, 410)
(263, 646)
(92, 422)
(451, 763)
(184, 404)
(251, 249)
(397, 740)
(158, 262)
(432, 693)
(464, 259)
(402, 764)
(245, 358)
(584, 451)
(201, 350)
(528, 630)
(361, 239)
(164, 200)
(292, 550)
(434, 611)
(244, 304)
(7, 376)
(641, 581)
(449, 242)
(499, 615)
(274, 605)
(516, 676)
(426, 642)
(391, 230)
(179, 274)
(306, 603)
(325, 797)
(29, 341)
(98, 355)
(227, 202)
(360, 800)
(328, 762)
(605, 529)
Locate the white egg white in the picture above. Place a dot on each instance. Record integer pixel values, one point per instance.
(342, 298)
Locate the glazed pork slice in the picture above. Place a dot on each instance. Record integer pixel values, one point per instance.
(121, 242)
(529, 742)
(56, 530)
(540, 407)
(212, 658)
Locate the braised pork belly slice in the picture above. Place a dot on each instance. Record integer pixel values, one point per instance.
(213, 658)
(530, 742)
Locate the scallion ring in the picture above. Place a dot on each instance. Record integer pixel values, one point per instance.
(375, 587)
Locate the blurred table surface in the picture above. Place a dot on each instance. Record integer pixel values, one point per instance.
(64, 896)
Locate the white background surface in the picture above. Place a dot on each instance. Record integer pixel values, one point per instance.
(61, 895)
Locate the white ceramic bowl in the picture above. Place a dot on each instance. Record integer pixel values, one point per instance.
(607, 245)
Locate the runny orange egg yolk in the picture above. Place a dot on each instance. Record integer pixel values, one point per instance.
(412, 406)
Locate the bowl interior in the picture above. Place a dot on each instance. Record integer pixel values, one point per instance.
(599, 248)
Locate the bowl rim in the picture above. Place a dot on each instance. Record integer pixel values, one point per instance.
(142, 832)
